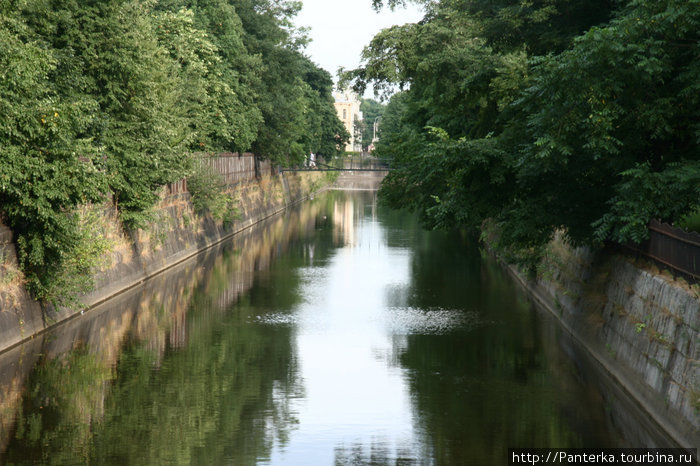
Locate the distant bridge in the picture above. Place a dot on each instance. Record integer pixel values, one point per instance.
(354, 164)
(235, 168)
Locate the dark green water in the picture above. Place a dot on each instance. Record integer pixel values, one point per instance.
(340, 333)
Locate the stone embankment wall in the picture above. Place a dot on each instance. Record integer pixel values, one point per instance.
(176, 234)
(638, 321)
(157, 314)
(360, 181)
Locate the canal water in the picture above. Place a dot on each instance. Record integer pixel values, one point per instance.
(339, 333)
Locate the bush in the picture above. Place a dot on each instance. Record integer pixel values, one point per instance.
(691, 222)
(209, 194)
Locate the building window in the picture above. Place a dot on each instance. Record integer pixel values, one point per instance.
(345, 114)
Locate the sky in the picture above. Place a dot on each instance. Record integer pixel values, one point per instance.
(340, 29)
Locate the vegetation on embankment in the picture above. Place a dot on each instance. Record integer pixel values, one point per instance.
(177, 231)
(107, 100)
(557, 115)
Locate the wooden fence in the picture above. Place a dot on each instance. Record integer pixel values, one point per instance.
(672, 247)
(234, 168)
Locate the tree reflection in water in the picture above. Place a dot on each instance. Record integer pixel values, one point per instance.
(378, 453)
(235, 358)
(170, 373)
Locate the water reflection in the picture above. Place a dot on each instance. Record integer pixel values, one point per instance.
(340, 333)
(162, 374)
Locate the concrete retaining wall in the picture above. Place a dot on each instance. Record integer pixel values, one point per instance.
(637, 321)
(20, 316)
(360, 181)
(176, 234)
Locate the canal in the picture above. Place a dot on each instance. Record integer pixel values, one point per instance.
(337, 333)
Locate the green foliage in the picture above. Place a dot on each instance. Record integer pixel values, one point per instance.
(691, 221)
(143, 127)
(613, 124)
(91, 251)
(294, 94)
(207, 43)
(46, 161)
(371, 111)
(325, 134)
(218, 119)
(109, 98)
(109, 61)
(209, 193)
(644, 194)
(546, 116)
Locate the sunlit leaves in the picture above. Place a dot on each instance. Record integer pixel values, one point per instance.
(105, 100)
(46, 160)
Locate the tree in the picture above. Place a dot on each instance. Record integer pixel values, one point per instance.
(108, 99)
(293, 94)
(109, 52)
(268, 35)
(215, 73)
(618, 134)
(459, 87)
(326, 135)
(545, 116)
(47, 155)
(371, 114)
(143, 129)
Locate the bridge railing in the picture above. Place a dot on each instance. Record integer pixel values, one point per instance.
(235, 168)
(356, 162)
(364, 163)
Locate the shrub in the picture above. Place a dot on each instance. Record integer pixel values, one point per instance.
(209, 194)
(691, 222)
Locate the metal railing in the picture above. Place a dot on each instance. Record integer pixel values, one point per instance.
(237, 168)
(351, 163)
(672, 247)
(364, 163)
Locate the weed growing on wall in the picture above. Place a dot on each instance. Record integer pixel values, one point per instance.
(695, 400)
(158, 229)
(209, 194)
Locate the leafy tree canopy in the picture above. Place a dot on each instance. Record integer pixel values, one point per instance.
(109, 98)
(294, 94)
(545, 116)
(372, 112)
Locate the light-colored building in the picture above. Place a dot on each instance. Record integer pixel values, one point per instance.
(347, 104)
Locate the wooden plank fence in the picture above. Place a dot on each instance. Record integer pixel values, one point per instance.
(672, 247)
(234, 168)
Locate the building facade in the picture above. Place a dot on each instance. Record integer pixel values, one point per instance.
(347, 105)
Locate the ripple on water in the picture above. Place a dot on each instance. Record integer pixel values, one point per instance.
(398, 320)
(430, 321)
(277, 318)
